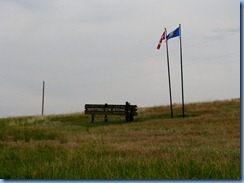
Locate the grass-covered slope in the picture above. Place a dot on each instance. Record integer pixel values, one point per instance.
(204, 145)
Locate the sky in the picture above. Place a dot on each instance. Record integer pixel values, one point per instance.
(105, 51)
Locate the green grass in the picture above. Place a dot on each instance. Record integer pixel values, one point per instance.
(204, 145)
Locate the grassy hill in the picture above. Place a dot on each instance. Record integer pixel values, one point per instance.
(204, 145)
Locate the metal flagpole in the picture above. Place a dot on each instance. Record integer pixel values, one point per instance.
(182, 89)
(171, 108)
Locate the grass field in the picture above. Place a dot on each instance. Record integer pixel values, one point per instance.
(204, 145)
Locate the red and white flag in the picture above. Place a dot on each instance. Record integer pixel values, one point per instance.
(160, 41)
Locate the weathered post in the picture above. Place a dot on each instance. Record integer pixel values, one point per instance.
(106, 116)
(43, 91)
(127, 111)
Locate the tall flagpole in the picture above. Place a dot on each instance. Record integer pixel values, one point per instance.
(171, 108)
(182, 88)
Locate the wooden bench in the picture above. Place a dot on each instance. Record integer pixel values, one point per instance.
(127, 110)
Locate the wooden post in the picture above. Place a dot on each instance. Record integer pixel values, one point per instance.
(127, 111)
(106, 116)
(43, 90)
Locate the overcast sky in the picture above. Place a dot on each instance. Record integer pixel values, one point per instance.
(104, 51)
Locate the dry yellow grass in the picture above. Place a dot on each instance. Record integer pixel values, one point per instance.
(204, 145)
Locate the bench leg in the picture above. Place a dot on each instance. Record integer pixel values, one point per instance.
(106, 118)
(92, 118)
(127, 117)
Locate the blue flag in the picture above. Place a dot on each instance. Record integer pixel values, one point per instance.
(174, 33)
